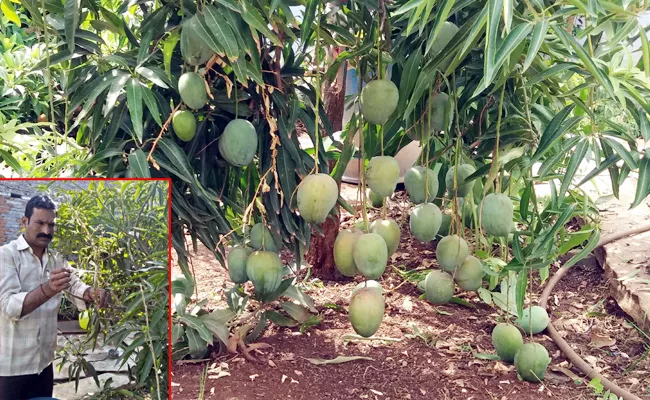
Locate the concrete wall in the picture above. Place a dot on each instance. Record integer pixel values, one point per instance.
(14, 195)
(11, 210)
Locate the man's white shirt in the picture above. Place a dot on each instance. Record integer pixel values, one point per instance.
(28, 343)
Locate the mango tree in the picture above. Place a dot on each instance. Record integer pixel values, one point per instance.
(499, 93)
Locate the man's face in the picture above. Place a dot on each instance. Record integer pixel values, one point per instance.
(39, 230)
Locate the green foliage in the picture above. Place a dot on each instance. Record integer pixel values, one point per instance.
(530, 99)
(115, 234)
(194, 329)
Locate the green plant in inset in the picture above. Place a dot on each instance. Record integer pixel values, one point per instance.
(115, 236)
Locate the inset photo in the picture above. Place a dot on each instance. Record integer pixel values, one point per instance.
(84, 289)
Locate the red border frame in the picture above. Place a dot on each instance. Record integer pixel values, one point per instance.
(169, 253)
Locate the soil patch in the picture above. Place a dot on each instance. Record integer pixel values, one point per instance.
(440, 350)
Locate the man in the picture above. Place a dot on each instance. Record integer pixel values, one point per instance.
(32, 279)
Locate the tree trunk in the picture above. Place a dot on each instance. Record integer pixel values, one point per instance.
(321, 249)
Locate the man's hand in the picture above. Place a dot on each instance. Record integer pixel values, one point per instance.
(59, 280)
(100, 297)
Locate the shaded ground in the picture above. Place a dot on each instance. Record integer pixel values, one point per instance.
(439, 363)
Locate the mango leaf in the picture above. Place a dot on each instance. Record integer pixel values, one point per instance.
(553, 131)
(424, 18)
(12, 162)
(462, 302)
(586, 59)
(198, 325)
(539, 32)
(178, 332)
(512, 41)
(71, 15)
(143, 50)
(645, 50)
(522, 282)
(507, 14)
(10, 12)
(295, 293)
(255, 333)
(525, 200)
(92, 89)
(591, 245)
(307, 21)
(441, 16)
(472, 37)
(256, 20)
(212, 21)
(416, 15)
(134, 101)
(486, 356)
(636, 95)
(625, 154)
(178, 162)
(409, 77)
(554, 70)
(410, 5)
(280, 319)
(644, 125)
(608, 162)
(296, 311)
(138, 164)
(516, 36)
(574, 162)
(152, 76)
(205, 33)
(643, 183)
(114, 92)
(491, 39)
(576, 239)
(169, 44)
(559, 224)
(198, 346)
(152, 105)
(216, 322)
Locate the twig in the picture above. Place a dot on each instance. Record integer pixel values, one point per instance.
(206, 146)
(369, 366)
(150, 343)
(162, 131)
(480, 122)
(278, 55)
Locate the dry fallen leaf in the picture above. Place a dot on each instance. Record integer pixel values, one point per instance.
(295, 371)
(407, 305)
(451, 370)
(501, 367)
(271, 363)
(219, 374)
(376, 392)
(593, 361)
(253, 377)
(600, 341)
(567, 372)
(284, 378)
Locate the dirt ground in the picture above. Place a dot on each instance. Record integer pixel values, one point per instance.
(444, 360)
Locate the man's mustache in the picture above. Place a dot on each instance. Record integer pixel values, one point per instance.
(44, 235)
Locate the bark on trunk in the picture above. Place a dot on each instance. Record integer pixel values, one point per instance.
(321, 249)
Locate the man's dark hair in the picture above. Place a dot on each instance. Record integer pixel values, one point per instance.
(39, 201)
